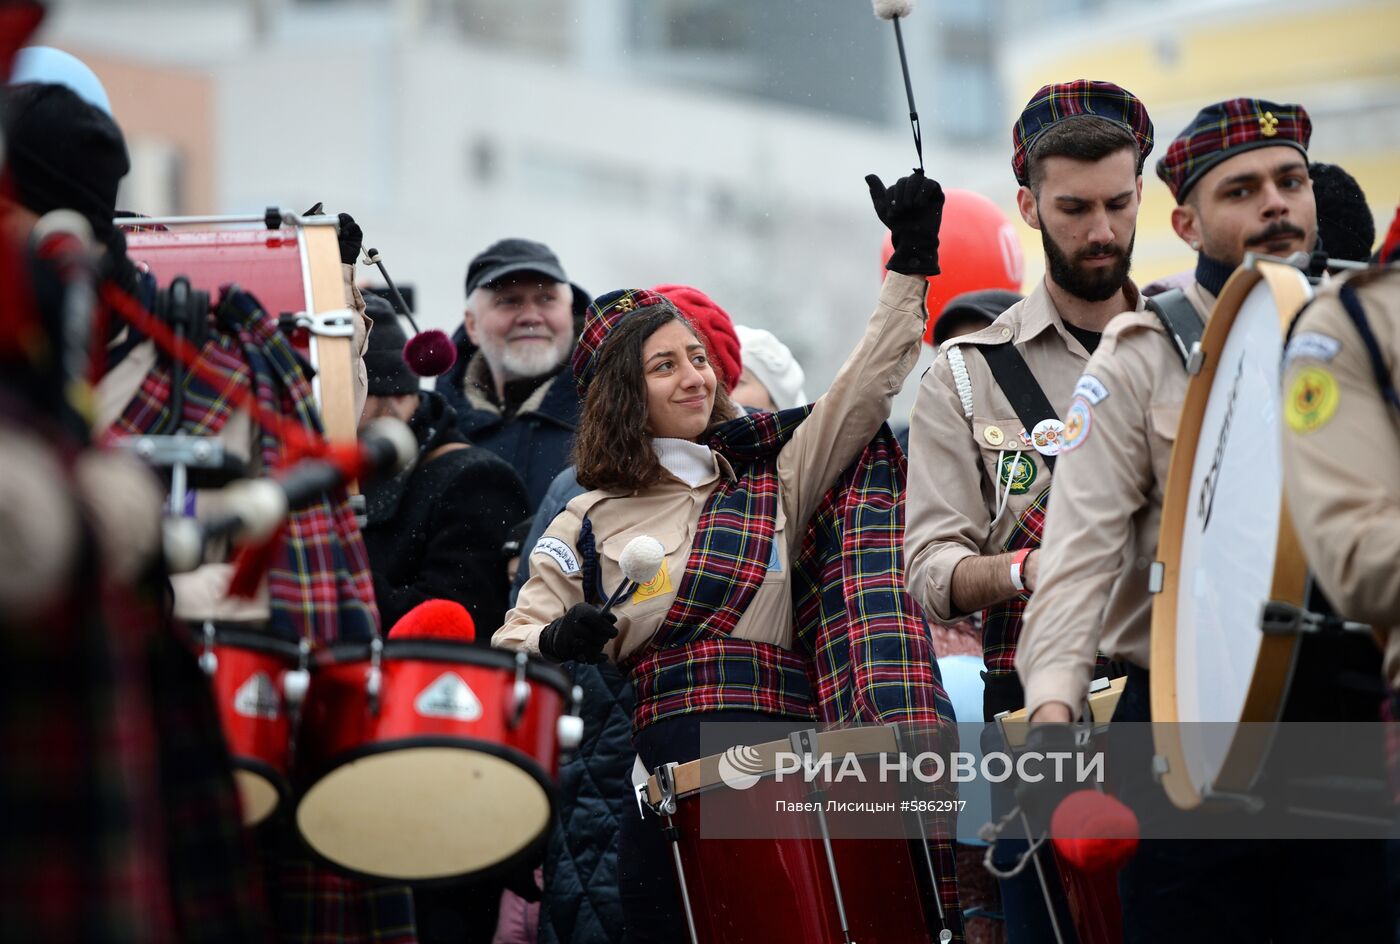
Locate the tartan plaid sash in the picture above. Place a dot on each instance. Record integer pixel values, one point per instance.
(691, 663)
(860, 654)
(319, 582)
(1001, 624)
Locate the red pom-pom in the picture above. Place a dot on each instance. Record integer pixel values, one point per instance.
(1093, 831)
(430, 353)
(436, 619)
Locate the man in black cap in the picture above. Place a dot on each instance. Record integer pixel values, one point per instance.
(513, 395)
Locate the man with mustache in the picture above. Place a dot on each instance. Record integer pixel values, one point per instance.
(986, 426)
(1239, 174)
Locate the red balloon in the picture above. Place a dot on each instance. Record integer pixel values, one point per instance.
(977, 249)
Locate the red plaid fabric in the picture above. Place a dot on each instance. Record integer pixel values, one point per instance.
(319, 582)
(1001, 624)
(1054, 103)
(315, 906)
(603, 315)
(719, 675)
(1225, 129)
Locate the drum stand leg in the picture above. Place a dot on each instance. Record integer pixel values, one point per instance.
(944, 935)
(1050, 901)
(665, 781)
(803, 743)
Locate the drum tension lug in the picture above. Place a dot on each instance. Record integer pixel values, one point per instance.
(520, 691)
(1160, 767)
(1156, 577)
(1196, 359)
(1277, 618)
(208, 661)
(666, 784)
(374, 679)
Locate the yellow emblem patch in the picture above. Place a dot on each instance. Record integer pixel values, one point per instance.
(1311, 400)
(654, 587)
(1268, 124)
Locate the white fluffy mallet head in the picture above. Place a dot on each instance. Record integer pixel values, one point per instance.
(889, 9)
(642, 558)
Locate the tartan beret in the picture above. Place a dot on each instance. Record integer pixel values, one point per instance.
(1225, 129)
(1080, 98)
(606, 313)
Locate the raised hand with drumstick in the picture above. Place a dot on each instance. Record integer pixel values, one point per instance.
(729, 500)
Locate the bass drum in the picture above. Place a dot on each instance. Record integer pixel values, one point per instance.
(293, 270)
(1231, 564)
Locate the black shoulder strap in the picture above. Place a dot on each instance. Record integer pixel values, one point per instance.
(1357, 314)
(1177, 314)
(1013, 375)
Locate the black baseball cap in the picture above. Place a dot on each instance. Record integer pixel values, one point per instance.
(509, 256)
(985, 304)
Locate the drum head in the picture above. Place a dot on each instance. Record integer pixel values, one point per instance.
(1226, 542)
(425, 813)
(259, 794)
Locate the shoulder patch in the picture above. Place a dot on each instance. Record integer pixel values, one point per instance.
(1311, 400)
(557, 551)
(1078, 420)
(1091, 389)
(1312, 345)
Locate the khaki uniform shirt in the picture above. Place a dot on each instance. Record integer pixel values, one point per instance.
(202, 594)
(1101, 532)
(841, 424)
(1341, 454)
(961, 469)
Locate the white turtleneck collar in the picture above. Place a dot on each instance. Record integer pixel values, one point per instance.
(688, 461)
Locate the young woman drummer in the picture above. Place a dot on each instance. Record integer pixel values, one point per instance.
(734, 626)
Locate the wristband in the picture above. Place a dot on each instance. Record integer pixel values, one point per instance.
(1017, 563)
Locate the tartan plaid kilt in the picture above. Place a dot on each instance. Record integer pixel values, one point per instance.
(314, 905)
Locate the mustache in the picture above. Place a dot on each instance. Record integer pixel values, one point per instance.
(1274, 230)
(1099, 251)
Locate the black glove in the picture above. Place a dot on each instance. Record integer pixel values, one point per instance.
(1038, 800)
(351, 238)
(579, 635)
(913, 211)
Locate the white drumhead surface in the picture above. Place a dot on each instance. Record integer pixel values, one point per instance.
(257, 796)
(1230, 534)
(423, 813)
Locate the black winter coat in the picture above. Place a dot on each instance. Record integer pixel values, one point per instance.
(436, 530)
(536, 441)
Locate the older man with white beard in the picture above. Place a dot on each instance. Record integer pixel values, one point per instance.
(512, 396)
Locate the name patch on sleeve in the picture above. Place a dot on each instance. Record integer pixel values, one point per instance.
(1092, 389)
(557, 551)
(1312, 345)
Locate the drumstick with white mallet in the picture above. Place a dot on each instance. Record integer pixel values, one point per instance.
(894, 10)
(641, 561)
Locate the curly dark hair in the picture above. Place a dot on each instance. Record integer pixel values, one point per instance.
(612, 448)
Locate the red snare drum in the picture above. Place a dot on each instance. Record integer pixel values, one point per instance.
(784, 889)
(434, 761)
(247, 671)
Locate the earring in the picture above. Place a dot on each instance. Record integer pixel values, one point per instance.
(1196, 245)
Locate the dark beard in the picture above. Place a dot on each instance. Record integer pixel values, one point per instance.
(1091, 285)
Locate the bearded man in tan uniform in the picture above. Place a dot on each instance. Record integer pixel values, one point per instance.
(1239, 176)
(979, 472)
(981, 455)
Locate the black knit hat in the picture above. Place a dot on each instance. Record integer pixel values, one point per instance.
(389, 374)
(63, 153)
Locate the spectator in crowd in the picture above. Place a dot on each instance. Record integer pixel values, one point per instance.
(1345, 227)
(772, 379)
(512, 394)
(437, 530)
